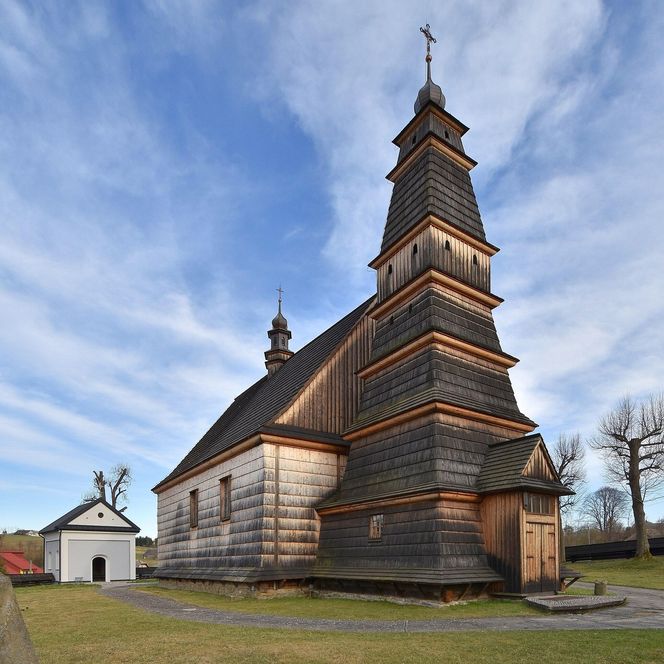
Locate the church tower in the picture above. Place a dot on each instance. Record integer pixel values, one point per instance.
(436, 392)
(279, 337)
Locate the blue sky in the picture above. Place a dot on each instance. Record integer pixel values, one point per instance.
(164, 166)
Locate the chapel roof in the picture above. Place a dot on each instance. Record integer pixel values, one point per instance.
(260, 404)
(64, 522)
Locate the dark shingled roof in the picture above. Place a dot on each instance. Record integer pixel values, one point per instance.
(434, 184)
(63, 521)
(264, 400)
(504, 465)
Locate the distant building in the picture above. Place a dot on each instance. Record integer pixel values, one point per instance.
(92, 542)
(14, 562)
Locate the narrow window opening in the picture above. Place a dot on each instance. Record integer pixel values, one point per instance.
(376, 527)
(415, 249)
(447, 134)
(193, 508)
(410, 308)
(389, 268)
(474, 259)
(391, 320)
(447, 245)
(414, 139)
(225, 498)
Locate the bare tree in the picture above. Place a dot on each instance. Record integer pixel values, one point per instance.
(568, 456)
(118, 482)
(631, 439)
(606, 508)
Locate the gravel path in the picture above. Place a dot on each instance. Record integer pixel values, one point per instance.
(644, 609)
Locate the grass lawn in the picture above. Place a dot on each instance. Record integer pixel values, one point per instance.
(629, 572)
(340, 609)
(74, 624)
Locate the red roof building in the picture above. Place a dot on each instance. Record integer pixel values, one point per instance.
(14, 562)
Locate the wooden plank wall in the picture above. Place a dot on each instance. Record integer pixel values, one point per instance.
(503, 536)
(330, 401)
(457, 261)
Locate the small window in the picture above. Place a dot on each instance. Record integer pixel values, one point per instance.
(391, 320)
(283, 342)
(474, 259)
(537, 503)
(389, 268)
(376, 527)
(225, 498)
(447, 245)
(100, 515)
(414, 139)
(193, 508)
(415, 249)
(447, 134)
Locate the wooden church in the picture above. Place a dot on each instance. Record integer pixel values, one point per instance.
(388, 455)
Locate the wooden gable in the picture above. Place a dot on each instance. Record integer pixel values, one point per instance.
(330, 399)
(540, 466)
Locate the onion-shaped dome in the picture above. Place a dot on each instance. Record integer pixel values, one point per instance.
(429, 92)
(279, 322)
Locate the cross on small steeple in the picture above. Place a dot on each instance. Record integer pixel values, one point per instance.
(281, 292)
(430, 39)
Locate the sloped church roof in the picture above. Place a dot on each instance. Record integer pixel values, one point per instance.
(260, 404)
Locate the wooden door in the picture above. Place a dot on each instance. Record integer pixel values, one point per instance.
(540, 559)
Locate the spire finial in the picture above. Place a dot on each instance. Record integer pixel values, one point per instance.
(281, 292)
(430, 38)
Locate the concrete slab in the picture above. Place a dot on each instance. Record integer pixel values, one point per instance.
(575, 602)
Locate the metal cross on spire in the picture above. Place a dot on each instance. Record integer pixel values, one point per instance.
(281, 292)
(430, 39)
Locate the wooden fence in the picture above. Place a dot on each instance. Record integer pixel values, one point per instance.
(611, 550)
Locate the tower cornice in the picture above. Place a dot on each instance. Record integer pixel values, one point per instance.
(444, 225)
(387, 420)
(431, 140)
(441, 340)
(430, 107)
(433, 275)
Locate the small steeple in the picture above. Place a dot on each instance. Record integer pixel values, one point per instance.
(279, 336)
(429, 92)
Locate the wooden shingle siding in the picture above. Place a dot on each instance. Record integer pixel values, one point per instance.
(429, 123)
(233, 543)
(305, 477)
(433, 184)
(435, 309)
(454, 375)
(436, 453)
(329, 402)
(441, 539)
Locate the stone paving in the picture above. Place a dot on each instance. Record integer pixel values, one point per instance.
(644, 609)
